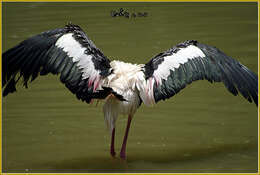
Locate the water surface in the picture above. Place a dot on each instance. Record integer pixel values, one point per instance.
(204, 128)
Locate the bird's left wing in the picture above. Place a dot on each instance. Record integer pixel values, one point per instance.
(169, 72)
(66, 51)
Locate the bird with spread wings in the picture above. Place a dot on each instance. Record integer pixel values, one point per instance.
(89, 74)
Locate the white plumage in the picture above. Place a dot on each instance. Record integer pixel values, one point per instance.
(123, 81)
(71, 47)
(89, 74)
(84, 61)
(174, 61)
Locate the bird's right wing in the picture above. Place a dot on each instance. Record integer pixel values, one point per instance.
(169, 72)
(66, 51)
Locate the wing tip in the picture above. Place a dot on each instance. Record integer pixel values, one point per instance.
(9, 87)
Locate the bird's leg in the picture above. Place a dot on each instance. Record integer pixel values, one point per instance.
(123, 148)
(112, 146)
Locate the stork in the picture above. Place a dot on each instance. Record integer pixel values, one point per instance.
(123, 87)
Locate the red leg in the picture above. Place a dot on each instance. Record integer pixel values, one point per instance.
(123, 148)
(112, 146)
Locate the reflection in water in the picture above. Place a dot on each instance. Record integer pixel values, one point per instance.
(204, 129)
(190, 160)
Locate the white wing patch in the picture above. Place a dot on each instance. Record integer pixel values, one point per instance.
(77, 52)
(174, 61)
(71, 46)
(146, 87)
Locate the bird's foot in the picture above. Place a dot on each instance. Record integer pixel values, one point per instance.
(123, 155)
(113, 153)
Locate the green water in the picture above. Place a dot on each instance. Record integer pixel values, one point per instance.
(204, 128)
